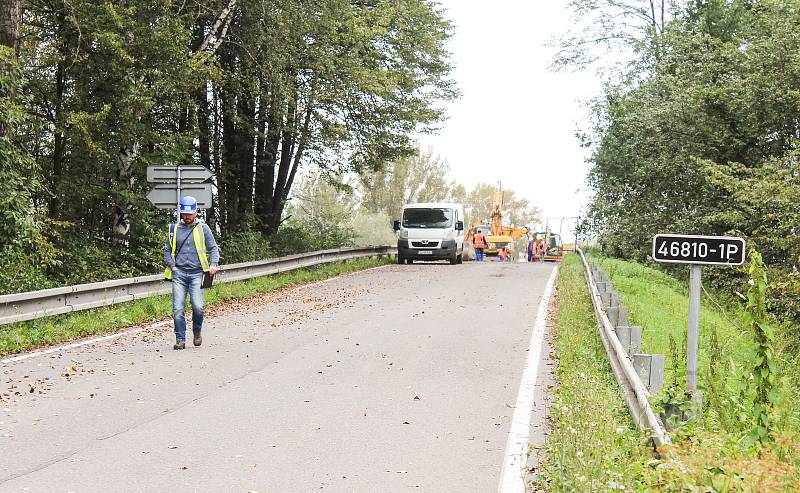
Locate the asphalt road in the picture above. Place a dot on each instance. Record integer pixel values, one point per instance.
(402, 378)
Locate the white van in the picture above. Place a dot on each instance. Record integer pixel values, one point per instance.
(430, 231)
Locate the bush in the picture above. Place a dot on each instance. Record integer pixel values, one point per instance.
(372, 229)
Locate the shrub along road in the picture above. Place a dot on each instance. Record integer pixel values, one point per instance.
(395, 378)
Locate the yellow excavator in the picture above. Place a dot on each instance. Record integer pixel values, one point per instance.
(498, 236)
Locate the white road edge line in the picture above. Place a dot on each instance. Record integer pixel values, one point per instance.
(73, 345)
(55, 349)
(511, 478)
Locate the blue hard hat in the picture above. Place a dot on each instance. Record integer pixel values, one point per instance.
(188, 205)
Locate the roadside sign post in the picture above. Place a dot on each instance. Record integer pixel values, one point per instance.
(174, 182)
(696, 251)
(693, 331)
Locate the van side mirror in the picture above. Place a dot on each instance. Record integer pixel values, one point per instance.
(459, 225)
(397, 225)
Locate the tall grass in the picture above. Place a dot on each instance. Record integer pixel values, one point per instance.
(593, 444)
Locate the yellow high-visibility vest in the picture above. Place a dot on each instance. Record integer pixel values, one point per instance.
(199, 242)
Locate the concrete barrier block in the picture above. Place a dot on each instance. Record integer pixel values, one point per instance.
(613, 298)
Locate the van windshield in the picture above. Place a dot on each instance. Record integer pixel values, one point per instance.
(427, 218)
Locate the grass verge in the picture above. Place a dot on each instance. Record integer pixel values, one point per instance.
(711, 454)
(24, 336)
(593, 444)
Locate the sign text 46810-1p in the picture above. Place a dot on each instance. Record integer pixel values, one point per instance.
(693, 249)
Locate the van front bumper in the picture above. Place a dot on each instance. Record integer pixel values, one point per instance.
(445, 251)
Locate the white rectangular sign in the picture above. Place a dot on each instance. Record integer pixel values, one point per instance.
(165, 196)
(694, 249)
(169, 174)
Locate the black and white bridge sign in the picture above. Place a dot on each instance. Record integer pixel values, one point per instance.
(692, 249)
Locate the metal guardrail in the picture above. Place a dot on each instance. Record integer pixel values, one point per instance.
(636, 394)
(30, 305)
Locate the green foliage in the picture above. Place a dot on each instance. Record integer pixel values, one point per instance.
(104, 89)
(700, 136)
(712, 454)
(25, 253)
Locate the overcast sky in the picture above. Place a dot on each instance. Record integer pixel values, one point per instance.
(516, 121)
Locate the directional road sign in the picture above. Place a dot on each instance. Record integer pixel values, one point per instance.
(164, 195)
(169, 174)
(692, 249)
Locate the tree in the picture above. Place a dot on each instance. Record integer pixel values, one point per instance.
(606, 28)
(517, 211)
(422, 177)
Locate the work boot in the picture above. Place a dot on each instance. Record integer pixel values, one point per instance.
(179, 345)
(198, 340)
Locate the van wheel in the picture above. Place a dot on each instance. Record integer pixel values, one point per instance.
(454, 259)
(409, 261)
(400, 259)
(460, 258)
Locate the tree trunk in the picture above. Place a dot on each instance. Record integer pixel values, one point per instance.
(203, 126)
(246, 109)
(58, 138)
(10, 22)
(287, 151)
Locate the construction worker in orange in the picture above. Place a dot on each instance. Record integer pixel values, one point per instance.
(503, 254)
(479, 243)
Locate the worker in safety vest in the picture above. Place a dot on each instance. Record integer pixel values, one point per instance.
(504, 254)
(186, 255)
(540, 249)
(479, 243)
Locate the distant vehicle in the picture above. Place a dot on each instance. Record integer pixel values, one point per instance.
(430, 231)
(498, 236)
(554, 250)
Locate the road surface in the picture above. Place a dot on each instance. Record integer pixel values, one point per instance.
(401, 378)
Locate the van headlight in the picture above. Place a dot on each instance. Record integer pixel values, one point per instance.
(404, 233)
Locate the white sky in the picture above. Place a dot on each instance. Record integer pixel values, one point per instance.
(516, 121)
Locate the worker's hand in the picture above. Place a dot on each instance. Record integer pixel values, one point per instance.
(174, 269)
(213, 269)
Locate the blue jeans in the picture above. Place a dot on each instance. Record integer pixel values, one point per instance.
(184, 283)
(479, 254)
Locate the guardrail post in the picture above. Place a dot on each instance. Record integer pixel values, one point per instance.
(613, 315)
(605, 294)
(617, 312)
(624, 336)
(622, 318)
(613, 298)
(650, 368)
(630, 337)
